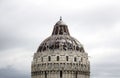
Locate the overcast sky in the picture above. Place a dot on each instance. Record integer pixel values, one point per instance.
(24, 24)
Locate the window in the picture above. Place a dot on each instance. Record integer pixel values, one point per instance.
(57, 58)
(77, 48)
(49, 58)
(67, 58)
(75, 59)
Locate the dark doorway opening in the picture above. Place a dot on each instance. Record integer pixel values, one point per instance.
(60, 74)
(76, 74)
(45, 74)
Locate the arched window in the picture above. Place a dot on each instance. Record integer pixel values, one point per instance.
(67, 58)
(75, 59)
(58, 58)
(49, 58)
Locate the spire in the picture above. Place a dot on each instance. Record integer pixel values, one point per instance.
(60, 28)
(60, 18)
(60, 22)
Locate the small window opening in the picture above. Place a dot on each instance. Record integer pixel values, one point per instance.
(49, 58)
(75, 59)
(58, 58)
(67, 58)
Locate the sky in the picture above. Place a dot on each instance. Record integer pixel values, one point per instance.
(24, 24)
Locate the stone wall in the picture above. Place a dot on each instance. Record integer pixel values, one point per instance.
(49, 64)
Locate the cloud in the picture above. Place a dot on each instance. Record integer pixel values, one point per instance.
(16, 58)
(25, 24)
(12, 73)
(15, 63)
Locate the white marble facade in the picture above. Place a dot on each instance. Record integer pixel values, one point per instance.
(60, 56)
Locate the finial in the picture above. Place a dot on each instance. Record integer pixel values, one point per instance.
(60, 18)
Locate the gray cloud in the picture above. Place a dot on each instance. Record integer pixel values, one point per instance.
(25, 23)
(12, 73)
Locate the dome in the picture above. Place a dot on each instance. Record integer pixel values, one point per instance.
(60, 22)
(60, 40)
(60, 56)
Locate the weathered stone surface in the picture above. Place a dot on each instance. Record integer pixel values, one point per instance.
(60, 56)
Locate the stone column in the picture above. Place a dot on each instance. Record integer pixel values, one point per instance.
(64, 73)
(70, 74)
(52, 74)
(55, 74)
(58, 74)
(42, 74)
(48, 75)
(80, 76)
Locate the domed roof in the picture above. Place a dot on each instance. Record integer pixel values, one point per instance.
(60, 22)
(60, 40)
